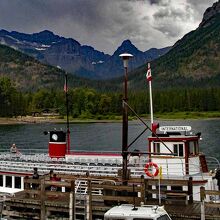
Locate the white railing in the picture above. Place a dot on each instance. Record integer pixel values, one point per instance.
(100, 166)
(212, 163)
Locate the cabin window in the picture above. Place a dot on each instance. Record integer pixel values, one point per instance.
(18, 182)
(1, 180)
(9, 181)
(196, 147)
(193, 148)
(156, 147)
(178, 150)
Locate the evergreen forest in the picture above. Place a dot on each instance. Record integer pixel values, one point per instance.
(86, 103)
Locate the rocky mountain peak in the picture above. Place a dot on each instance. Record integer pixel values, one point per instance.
(210, 13)
(126, 43)
(46, 37)
(127, 47)
(45, 32)
(68, 53)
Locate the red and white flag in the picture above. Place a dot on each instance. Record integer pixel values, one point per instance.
(148, 74)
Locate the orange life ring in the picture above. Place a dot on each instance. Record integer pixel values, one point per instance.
(148, 173)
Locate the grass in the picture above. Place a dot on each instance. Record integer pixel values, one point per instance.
(164, 115)
(188, 115)
(112, 118)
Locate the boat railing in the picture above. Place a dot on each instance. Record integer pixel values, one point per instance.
(99, 166)
(173, 169)
(212, 163)
(25, 151)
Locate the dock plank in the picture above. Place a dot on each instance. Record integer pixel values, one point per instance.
(190, 211)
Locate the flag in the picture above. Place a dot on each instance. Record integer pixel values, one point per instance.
(65, 86)
(148, 74)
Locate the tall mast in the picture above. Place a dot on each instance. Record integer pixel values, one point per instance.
(149, 79)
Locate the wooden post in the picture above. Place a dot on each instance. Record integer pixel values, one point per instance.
(202, 198)
(42, 199)
(26, 186)
(90, 199)
(72, 201)
(146, 190)
(88, 205)
(142, 189)
(190, 190)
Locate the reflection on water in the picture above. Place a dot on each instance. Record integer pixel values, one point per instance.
(104, 136)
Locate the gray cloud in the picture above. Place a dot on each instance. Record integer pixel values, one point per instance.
(160, 2)
(104, 24)
(167, 20)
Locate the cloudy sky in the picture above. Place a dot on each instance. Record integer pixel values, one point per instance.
(104, 24)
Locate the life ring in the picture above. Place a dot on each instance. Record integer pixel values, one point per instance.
(148, 173)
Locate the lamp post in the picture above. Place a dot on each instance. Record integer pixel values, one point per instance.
(125, 57)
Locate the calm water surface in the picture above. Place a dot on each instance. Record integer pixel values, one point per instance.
(104, 136)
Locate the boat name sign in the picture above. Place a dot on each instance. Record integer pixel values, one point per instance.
(175, 128)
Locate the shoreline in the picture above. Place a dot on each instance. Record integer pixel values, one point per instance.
(39, 120)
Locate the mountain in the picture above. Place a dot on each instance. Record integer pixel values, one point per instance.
(113, 66)
(193, 61)
(28, 74)
(73, 57)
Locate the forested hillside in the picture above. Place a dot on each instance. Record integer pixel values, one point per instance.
(28, 74)
(89, 103)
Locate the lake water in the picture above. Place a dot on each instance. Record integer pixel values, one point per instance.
(104, 136)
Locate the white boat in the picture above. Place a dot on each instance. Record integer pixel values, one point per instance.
(129, 212)
(175, 154)
(172, 150)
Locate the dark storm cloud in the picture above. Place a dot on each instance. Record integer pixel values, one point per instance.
(155, 1)
(36, 12)
(104, 24)
(159, 2)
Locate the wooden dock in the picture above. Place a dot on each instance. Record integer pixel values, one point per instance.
(190, 211)
(83, 197)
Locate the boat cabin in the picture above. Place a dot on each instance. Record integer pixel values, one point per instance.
(176, 150)
(11, 183)
(129, 212)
